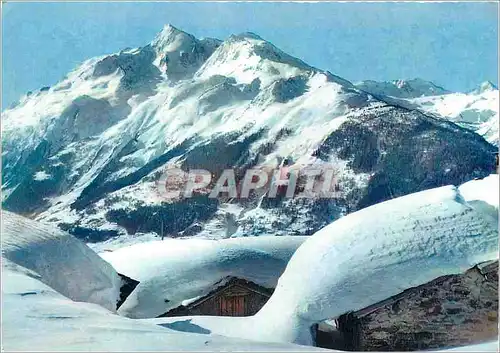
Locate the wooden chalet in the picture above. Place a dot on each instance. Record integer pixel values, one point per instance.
(236, 297)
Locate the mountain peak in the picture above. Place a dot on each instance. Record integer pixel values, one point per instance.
(247, 56)
(486, 86)
(168, 35)
(420, 84)
(171, 29)
(246, 35)
(180, 54)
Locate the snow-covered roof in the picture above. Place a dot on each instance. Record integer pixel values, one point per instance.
(379, 251)
(366, 257)
(63, 262)
(482, 190)
(173, 271)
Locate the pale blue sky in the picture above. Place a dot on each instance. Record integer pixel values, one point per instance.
(452, 44)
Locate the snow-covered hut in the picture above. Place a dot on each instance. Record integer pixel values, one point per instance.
(448, 311)
(229, 277)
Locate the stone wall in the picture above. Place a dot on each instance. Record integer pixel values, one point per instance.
(450, 311)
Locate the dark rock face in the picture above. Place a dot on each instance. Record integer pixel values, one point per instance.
(221, 152)
(405, 152)
(89, 235)
(16, 170)
(295, 216)
(30, 196)
(450, 311)
(286, 90)
(128, 285)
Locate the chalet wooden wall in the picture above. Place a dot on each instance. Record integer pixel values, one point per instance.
(236, 298)
(232, 301)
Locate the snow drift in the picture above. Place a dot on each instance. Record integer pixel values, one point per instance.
(34, 316)
(171, 271)
(63, 262)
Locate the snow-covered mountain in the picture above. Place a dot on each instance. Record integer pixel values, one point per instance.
(476, 110)
(402, 88)
(86, 153)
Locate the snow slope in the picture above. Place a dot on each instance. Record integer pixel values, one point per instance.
(36, 317)
(61, 261)
(177, 270)
(366, 257)
(482, 190)
(476, 110)
(86, 153)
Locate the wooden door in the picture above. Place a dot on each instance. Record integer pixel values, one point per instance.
(232, 306)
